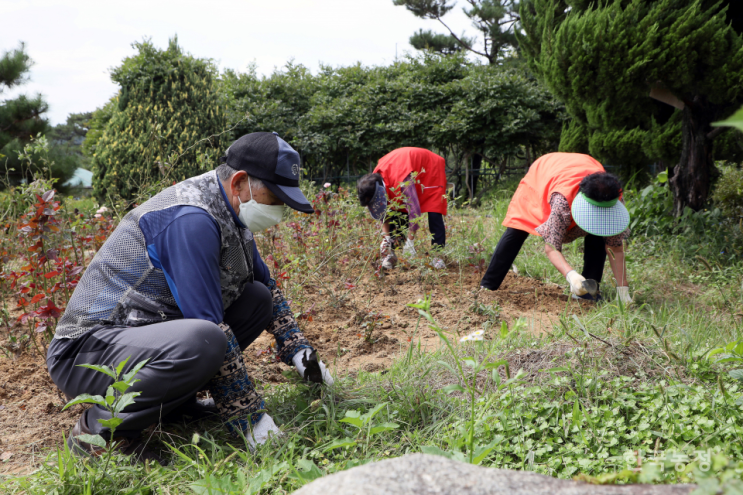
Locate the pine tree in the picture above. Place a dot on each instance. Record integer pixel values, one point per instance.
(21, 118)
(165, 125)
(604, 57)
(494, 19)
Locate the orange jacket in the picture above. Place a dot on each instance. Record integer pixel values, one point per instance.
(555, 172)
(430, 181)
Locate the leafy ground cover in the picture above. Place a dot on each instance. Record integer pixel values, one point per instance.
(607, 393)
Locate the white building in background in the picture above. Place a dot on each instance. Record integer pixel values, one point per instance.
(81, 179)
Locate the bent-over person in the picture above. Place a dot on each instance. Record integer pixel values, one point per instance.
(563, 197)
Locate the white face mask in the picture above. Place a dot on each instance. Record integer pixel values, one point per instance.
(258, 216)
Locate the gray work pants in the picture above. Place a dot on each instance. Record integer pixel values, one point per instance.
(183, 356)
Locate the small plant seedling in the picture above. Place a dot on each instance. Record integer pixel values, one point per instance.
(116, 399)
(467, 369)
(365, 427)
(371, 323)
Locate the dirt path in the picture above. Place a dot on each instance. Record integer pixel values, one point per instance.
(31, 419)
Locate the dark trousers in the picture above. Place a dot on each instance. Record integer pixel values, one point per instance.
(438, 231)
(509, 245)
(400, 223)
(183, 356)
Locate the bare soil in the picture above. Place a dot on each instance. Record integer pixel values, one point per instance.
(336, 323)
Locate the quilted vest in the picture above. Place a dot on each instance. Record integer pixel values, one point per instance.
(121, 287)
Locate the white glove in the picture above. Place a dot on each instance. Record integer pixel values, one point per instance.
(438, 263)
(576, 283)
(262, 431)
(623, 295)
(385, 249)
(409, 248)
(310, 368)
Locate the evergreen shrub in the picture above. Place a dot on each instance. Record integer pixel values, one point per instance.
(165, 125)
(728, 192)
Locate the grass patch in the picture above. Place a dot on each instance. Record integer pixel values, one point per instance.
(612, 394)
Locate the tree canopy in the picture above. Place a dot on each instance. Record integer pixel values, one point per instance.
(166, 123)
(494, 20)
(604, 58)
(344, 119)
(21, 120)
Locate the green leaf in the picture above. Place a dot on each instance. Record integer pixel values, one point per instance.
(503, 330)
(112, 423)
(450, 389)
(336, 444)
(577, 416)
(353, 421)
(449, 454)
(736, 374)
(86, 399)
(100, 368)
(96, 440)
(470, 362)
(129, 375)
(125, 400)
(121, 365)
(496, 364)
(383, 427)
(308, 471)
(481, 451)
(258, 481)
(735, 120)
(713, 352)
(120, 386)
(214, 485)
(368, 416)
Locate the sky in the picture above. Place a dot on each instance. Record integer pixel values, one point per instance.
(74, 44)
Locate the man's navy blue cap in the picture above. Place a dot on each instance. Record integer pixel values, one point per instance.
(265, 156)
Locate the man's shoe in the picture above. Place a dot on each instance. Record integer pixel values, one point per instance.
(135, 448)
(193, 408)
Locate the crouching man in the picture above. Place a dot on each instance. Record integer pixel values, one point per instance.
(181, 284)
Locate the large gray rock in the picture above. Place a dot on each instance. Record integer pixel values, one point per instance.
(421, 474)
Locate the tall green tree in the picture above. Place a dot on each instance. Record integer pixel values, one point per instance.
(22, 117)
(603, 58)
(495, 21)
(166, 123)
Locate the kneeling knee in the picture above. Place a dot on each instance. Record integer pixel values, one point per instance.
(210, 341)
(265, 301)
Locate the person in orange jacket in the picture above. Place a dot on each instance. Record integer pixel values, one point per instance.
(412, 181)
(565, 196)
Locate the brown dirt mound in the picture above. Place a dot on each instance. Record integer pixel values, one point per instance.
(31, 418)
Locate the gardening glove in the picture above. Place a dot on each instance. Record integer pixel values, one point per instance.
(576, 283)
(409, 248)
(262, 431)
(623, 295)
(310, 368)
